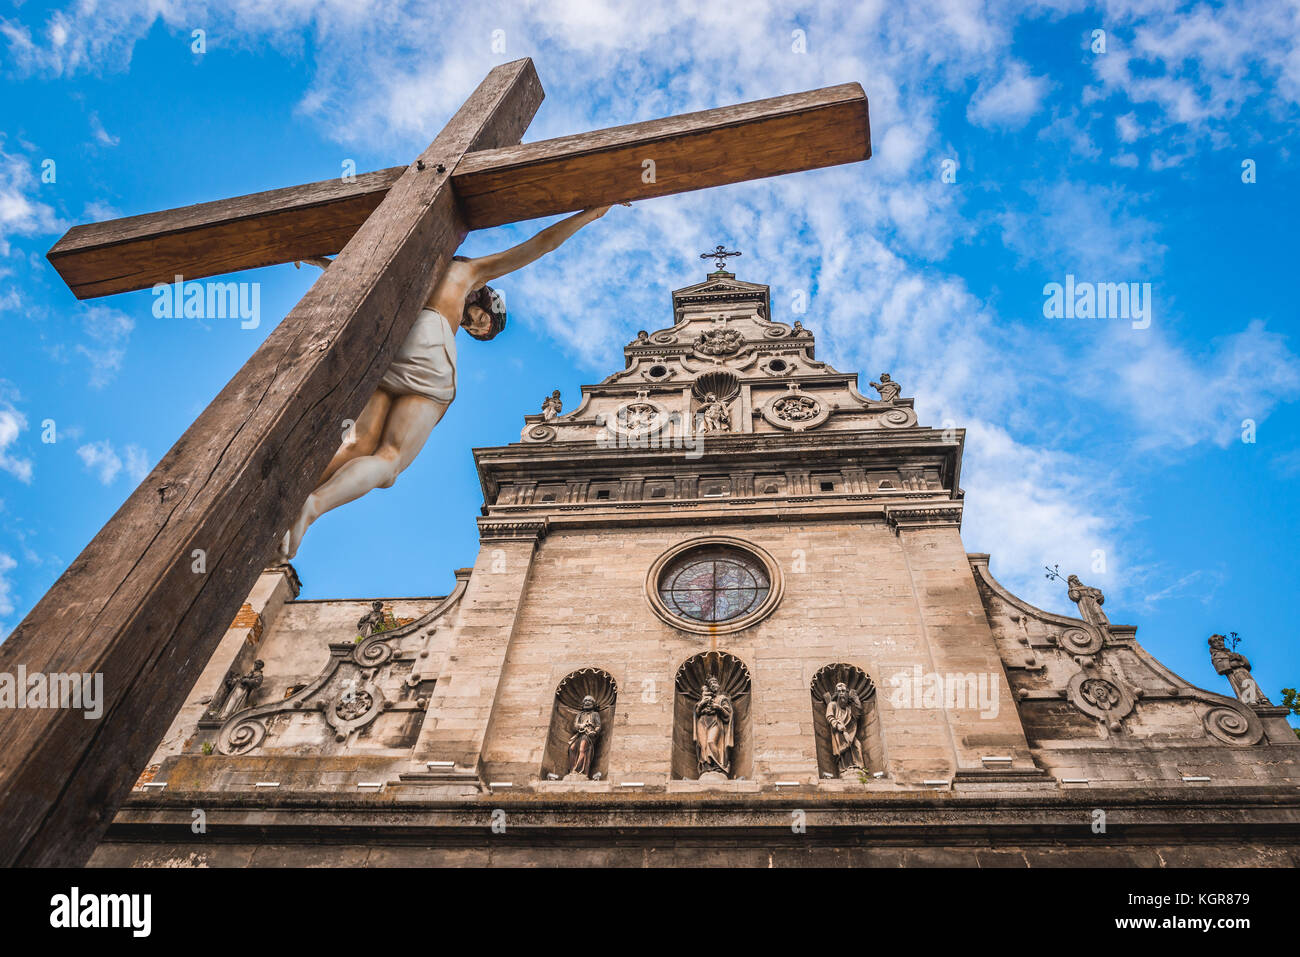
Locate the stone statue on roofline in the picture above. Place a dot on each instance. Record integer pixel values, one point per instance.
(1236, 668)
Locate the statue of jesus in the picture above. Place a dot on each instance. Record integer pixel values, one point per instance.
(420, 383)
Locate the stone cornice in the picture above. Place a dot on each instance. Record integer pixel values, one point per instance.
(901, 517)
(495, 530)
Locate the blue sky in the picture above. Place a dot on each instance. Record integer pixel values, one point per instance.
(1084, 436)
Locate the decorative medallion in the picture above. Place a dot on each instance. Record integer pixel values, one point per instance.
(795, 411)
(1099, 697)
(637, 419)
(352, 706)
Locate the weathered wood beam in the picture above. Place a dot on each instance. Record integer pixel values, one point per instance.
(260, 229)
(784, 134)
(132, 607)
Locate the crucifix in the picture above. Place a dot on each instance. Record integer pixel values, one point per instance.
(146, 602)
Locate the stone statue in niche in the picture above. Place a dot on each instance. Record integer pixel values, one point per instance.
(712, 416)
(552, 406)
(843, 714)
(587, 728)
(887, 387)
(1089, 601)
(1236, 668)
(241, 689)
(372, 622)
(715, 733)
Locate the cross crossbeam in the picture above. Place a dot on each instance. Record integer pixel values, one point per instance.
(784, 134)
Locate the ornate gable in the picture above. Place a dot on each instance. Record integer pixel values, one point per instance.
(724, 366)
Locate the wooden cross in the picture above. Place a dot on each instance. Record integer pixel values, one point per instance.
(132, 606)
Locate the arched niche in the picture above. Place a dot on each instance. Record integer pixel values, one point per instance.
(860, 699)
(569, 696)
(733, 680)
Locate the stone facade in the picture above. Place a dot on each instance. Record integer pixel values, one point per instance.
(990, 732)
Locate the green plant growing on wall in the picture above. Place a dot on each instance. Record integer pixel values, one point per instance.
(1291, 699)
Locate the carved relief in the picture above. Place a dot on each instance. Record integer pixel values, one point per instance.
(795, 411)
(1100, 697)
(347, 694)
(716, 343)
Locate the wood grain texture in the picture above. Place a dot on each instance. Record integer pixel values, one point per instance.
(784, 134)
(130, 606)
(246, 232)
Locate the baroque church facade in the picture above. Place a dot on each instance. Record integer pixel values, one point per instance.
(721, 613)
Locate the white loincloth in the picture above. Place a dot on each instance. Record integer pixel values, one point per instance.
(426, 363)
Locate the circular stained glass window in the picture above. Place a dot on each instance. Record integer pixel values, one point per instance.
(714, 584)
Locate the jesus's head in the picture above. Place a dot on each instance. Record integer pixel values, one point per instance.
(484, 315)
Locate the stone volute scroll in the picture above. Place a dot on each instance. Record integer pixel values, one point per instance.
(1084, 643)
(845, 721)
(582, 718)
(711, 718)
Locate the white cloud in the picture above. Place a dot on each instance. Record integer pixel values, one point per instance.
(1010, 102)
(1089, 230)
(7, 565)
(137, 463)
(102, 136)
(21, 214)
(104, 462)
(107, 333)
(12, 424)
(1178, 399)
(1034, 507)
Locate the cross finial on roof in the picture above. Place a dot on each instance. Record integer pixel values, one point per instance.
(721, 253)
